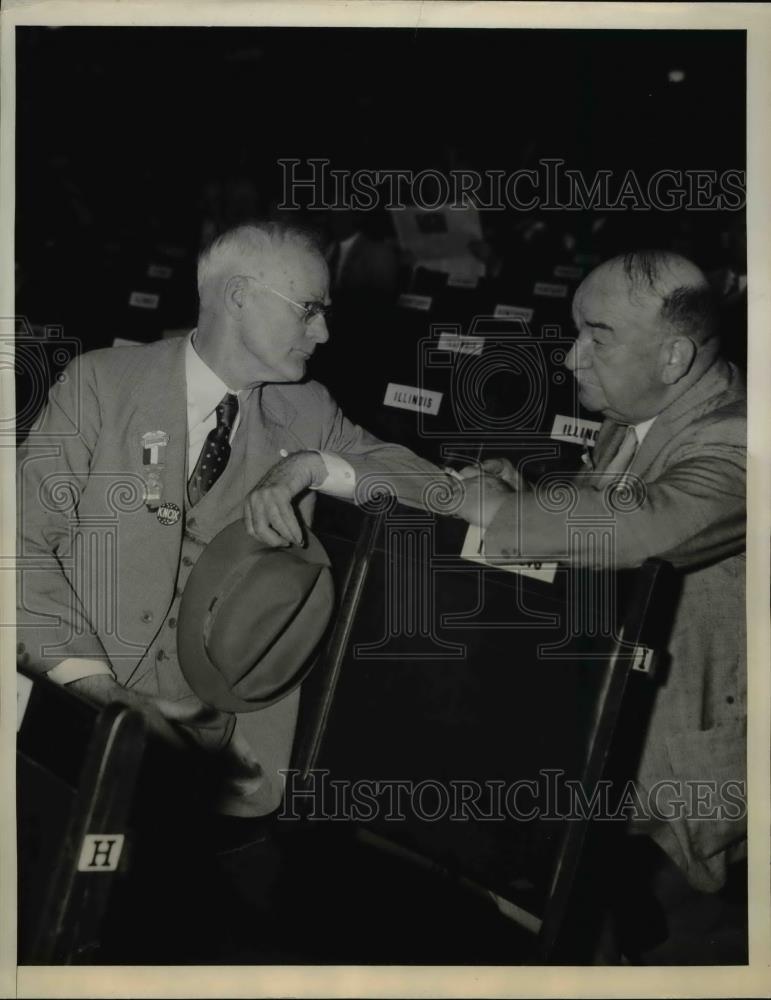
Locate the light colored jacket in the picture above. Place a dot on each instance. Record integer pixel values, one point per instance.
(97, 568)
(692, 466)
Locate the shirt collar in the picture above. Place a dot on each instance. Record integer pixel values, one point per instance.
(642, 429)
(205, 388)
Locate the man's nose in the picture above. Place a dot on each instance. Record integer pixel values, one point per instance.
(317, 330)
(579, 355)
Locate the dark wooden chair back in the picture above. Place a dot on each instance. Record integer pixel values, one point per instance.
(76, 772)
(457, 676)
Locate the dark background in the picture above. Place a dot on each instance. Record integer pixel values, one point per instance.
(127, 136)
(147, 114)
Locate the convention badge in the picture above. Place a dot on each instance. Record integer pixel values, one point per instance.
(154, 462)
(153, 448)
(153, 490)
(169, 513)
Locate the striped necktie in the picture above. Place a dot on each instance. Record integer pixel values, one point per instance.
(215, 452)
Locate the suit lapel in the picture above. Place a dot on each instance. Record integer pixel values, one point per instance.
(715, 380)
(265, 434)
(276, 417)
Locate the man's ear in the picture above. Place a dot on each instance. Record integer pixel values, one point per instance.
(235, 294)
(678, 356)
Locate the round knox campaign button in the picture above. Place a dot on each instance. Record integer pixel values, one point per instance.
(168, 513)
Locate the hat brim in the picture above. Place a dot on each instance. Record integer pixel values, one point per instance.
(289, 656)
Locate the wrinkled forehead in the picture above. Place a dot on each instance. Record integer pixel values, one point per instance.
(294, 270)
(608, 290)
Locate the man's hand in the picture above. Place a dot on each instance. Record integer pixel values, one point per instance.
(482, 496)
(500, 468)
(158, 712)
(268, 511)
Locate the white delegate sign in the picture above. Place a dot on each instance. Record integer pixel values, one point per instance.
(409, 397)
(473, 550)
(575, 430)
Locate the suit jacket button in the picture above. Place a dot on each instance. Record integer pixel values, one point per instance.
(187, 561)
(172, 622)
(730, 699)
(191, 522)
(147, 616)
(160, 655)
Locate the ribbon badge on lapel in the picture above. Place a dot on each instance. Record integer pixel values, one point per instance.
(154, 462)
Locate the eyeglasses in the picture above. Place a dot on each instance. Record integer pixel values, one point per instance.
(310, 309)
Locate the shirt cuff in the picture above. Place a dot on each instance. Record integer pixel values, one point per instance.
(340, 480)
(76, 669)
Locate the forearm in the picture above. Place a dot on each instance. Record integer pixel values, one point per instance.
(376, 464)
(410, 479)
(101, 689)
(686, 528)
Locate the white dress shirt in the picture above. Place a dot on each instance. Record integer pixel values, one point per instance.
(642, 429)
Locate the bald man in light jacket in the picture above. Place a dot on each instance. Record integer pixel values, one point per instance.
(673, 442)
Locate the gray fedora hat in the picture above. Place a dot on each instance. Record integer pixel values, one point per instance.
(250, 619)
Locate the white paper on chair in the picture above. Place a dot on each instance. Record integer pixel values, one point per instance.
(473, 550)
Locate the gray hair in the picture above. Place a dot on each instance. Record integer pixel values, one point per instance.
(228, 252)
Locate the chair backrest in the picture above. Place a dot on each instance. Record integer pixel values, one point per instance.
(457, 707)
(76, 771)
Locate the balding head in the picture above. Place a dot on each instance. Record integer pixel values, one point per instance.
(647, 331)
(662, 283)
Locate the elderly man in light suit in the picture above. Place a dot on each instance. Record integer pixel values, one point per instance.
(117, 498)
(647, 358)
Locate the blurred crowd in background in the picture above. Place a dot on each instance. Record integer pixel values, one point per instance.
(137, 146)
